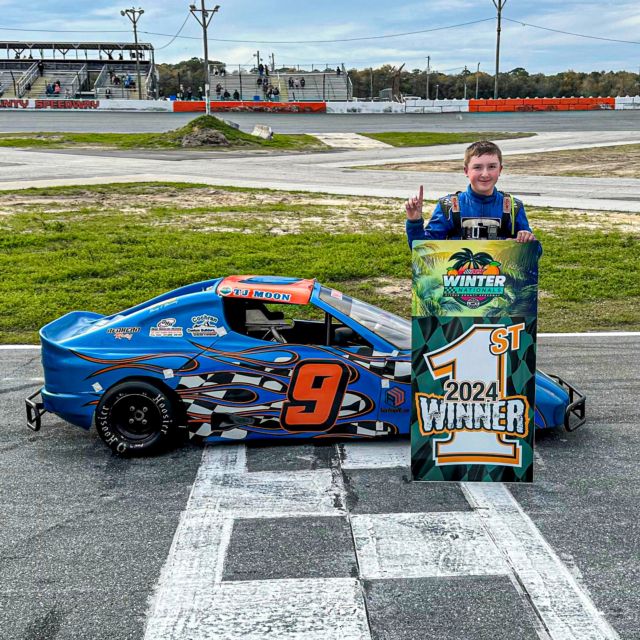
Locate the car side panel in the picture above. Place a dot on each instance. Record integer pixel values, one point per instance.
(248, 389)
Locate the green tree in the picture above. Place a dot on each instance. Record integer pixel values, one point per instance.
(471, 260)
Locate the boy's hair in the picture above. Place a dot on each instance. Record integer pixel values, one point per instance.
(481, 148)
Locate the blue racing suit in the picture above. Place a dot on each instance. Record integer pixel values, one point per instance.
(472, 205)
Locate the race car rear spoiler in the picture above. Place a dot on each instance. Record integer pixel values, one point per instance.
(575, 413)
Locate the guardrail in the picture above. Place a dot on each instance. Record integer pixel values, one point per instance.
(79, 79)
(26, 80)
(150, 82)
(100, 79)
(328, 67)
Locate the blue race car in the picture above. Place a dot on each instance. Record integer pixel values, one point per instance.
(219, 360)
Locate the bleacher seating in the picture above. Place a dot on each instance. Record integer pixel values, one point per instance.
(6, 85)
(106, 87)
(318, 86)
(11, 72)
(65, 78)
(77, 78)
(94, 78)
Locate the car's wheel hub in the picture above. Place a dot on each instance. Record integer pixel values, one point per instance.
(136, 417)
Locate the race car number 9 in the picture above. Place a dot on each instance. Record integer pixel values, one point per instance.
(315, 396)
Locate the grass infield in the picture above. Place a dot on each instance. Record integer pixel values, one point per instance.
(166, 140)
(434, 138)
(104, 248)
(237, 139)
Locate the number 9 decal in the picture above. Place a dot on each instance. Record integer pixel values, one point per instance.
(314, 396)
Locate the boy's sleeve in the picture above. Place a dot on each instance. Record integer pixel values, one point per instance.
(415, 230)
(522, 223)
(439, 225)
(437, 229)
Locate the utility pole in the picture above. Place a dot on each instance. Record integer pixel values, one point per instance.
(134, 15)
(257, 55)
(204, 17)
(499, 4)
(477, 79)
(371, 83)
(465, 73)
(428, 72)
(273, 62)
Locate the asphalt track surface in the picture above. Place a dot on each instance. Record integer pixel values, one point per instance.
(93, 546)
(132, 122)
(86, 535)
(328, 172)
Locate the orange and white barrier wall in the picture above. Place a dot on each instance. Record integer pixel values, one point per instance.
(541, 104)
(250, 105)
(410, 106)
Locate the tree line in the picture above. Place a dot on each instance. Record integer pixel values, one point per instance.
(517, 83)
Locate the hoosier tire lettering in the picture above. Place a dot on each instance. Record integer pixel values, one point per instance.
(134, 418)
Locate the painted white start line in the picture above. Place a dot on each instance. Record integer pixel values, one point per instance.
(193, 603)
(564, 608)
(496, 538)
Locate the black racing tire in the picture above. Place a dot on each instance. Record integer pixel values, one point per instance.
(135, 418)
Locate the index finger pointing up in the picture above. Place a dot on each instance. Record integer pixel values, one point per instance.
(420, 194)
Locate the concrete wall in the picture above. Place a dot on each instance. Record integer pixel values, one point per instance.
(411, 106)
(86, 105)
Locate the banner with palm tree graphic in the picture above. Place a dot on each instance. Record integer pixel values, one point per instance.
(474, 307)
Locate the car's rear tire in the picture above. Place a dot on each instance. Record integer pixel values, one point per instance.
(135, 418)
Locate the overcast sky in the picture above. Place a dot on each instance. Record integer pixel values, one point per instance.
(261, 22)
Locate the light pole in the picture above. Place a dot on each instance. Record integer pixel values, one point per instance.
(437, 89)
(204, 17)
(477, 78)
(134, 16)
(499, 4)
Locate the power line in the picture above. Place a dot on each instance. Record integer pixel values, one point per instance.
(164, 46)
(571, 33)
(169, 35)
(389, 35)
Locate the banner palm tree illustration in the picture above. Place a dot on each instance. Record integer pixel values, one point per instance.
(467, 259)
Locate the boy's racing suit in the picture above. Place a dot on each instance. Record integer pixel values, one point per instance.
(472, 205)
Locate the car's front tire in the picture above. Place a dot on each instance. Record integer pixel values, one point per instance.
(135, 418)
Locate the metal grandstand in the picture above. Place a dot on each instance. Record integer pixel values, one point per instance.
(79, 69)
(109, 70)
(295, 84)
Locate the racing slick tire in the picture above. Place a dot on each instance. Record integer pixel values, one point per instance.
(135, 418)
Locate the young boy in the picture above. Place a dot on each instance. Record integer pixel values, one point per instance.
(479, 212)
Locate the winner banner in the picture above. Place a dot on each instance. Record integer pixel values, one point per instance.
(474, 308)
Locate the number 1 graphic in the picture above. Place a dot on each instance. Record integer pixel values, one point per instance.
(469, 358)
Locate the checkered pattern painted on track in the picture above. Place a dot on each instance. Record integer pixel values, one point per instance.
(336, 542)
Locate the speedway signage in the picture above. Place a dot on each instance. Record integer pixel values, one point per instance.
(474, 308)
(16, 103)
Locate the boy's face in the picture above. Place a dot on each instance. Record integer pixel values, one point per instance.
(483, 173)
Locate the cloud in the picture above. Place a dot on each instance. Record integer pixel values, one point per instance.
(535, 49)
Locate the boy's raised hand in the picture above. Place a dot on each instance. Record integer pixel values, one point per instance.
(413, 206)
